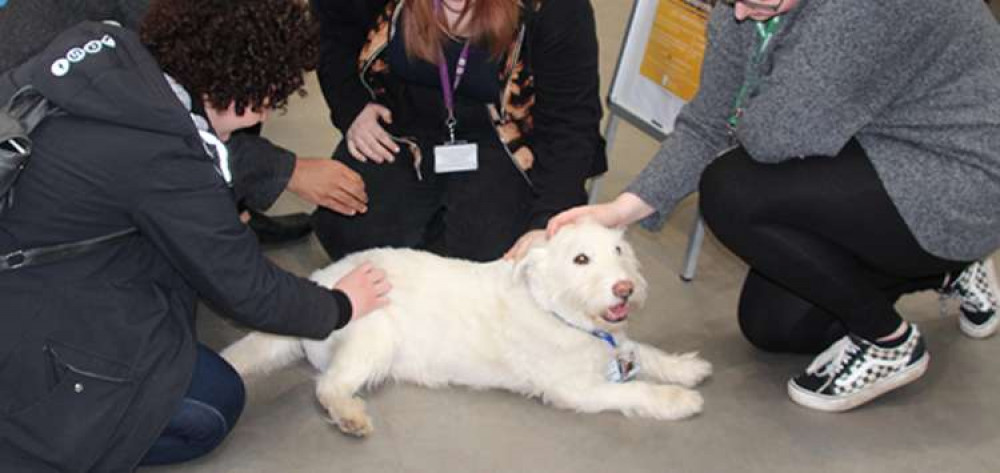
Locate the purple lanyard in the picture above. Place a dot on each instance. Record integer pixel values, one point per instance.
(447, 89)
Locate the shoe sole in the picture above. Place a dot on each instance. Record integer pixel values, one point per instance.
(841, 404)
(978, 330)
(990, 327)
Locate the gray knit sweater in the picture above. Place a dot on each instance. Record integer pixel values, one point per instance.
(917, 82)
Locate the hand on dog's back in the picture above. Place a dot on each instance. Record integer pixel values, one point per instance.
(366, 287)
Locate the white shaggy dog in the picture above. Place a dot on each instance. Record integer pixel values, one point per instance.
(550, 326)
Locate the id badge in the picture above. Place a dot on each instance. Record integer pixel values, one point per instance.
(456, 157)
(623, 367)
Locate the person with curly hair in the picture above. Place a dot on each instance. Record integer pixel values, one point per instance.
(261, 170)
(470, 121)
(100, 368)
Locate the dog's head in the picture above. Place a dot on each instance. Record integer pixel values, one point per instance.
(587, 274)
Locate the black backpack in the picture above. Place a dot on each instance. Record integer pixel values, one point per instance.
(19, 115)
(22, 110)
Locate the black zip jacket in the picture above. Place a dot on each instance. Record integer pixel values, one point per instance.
(261, 170)
(97, 350)
(549, 109)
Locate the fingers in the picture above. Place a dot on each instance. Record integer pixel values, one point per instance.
(343, 203)
(350, 200)
(367, 139)
(523, 245)
(509, 255)
(367, 144)
(376, 149)
(340, 207)
(563, 219)
(353, 188)
(517, 251)
(372, 275)
(355, 152)
(364, 145)
(347, 193)
(377, 283)
(363, 268)
(381, 289)
(387, 143)
(331, 184)
(383, 112)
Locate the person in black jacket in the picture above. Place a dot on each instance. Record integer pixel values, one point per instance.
(527, 98)
(99, 364)
(261, 170)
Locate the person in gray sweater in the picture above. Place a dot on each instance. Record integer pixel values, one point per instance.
(849, 152)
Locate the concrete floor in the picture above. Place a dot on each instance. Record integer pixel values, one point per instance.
(945, 422)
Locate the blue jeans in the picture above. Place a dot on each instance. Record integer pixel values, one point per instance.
(209, 410)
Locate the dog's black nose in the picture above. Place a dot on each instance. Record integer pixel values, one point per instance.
(623, 289)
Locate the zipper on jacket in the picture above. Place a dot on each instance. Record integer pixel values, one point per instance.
(510, 70)
(513, 160)
(503, 104)
(376, 53)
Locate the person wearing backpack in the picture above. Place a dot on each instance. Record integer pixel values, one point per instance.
(100, 368)
(261, 170)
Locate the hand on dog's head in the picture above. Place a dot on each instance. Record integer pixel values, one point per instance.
(586, 273)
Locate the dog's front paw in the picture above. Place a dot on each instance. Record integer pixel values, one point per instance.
(358, 426)
(350, 416)
(690, 370)
(674, 402)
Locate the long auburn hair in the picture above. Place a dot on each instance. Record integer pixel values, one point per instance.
(492, 26)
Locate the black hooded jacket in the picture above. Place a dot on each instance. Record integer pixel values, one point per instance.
(261, 170)
(97, 350)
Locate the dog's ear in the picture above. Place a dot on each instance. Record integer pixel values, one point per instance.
(531, 258)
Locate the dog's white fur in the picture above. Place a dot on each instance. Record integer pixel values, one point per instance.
(492, 325)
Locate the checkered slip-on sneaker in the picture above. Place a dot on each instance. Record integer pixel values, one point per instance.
(854, 371)
(977, 290)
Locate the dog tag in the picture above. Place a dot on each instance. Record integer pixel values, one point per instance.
(456, 157)
(623, 367)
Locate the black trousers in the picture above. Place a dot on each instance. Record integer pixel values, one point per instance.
(475, 215)
(828, 252)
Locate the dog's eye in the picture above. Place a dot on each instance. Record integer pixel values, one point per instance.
(581, 259)
(618, 249)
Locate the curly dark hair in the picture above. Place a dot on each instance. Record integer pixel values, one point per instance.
(250, 52)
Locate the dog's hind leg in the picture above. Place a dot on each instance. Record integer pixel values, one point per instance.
(262, 353)
(687, 369)
(362, 358)
(632, 398)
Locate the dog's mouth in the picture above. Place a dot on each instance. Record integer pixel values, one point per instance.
(616, 313)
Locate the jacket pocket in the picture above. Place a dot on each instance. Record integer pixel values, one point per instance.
(68, 428)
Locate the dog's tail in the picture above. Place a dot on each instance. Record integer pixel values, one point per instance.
(261, 353)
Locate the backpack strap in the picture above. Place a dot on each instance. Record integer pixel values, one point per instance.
(18, 117)
(22, 108)
(48, 254)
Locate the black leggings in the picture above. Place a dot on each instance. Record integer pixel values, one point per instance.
(828, 252)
